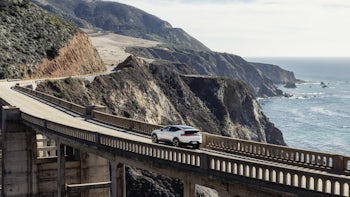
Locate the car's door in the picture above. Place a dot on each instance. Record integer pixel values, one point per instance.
(172, 133)
(163, 132)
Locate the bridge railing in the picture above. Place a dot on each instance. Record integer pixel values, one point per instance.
(173, 154)
(313, 159)
(219, 165)
(125, 123)
(284, 154)
(81, 110)
(324, 183)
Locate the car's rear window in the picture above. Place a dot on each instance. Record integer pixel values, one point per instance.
(190, 132)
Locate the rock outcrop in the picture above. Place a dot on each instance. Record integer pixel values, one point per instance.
(34, 43)
(159, 94)
(276, 74)
(76, 58)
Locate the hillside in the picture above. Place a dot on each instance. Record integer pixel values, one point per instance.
(34, 43)
(121, 19)
(157, 93)
(175, 44)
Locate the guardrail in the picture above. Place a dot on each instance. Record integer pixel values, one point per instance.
(217, 164)
(312, 159)
(125, 123)
(317, 160)
(81, 110)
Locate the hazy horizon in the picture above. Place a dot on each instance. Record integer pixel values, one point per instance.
(260, 28)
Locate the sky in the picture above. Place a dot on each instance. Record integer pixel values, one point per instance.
(260, 28)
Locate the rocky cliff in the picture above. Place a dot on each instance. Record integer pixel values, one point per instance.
(213, 64)
(276, 74)
(121, 19)
(159, 94)
(34, 43)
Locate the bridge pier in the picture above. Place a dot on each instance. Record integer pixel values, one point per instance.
(189, 187)
(94, 169)
(19, 166)
(118, 185)
(61, 170)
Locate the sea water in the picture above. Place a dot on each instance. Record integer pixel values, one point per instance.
(317, 116)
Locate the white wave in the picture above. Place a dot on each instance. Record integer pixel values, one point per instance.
(323, 111)
(299, 97)
(296, 112)
(309, 83)
(314, 93)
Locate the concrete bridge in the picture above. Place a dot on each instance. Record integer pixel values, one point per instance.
(51, 147)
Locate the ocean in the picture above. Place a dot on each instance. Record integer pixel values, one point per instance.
(317, 116)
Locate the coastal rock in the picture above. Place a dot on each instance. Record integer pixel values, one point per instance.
(290, 85)
(323, 85)
(147, 184)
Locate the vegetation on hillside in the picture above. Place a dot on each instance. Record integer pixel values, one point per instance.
(27, 35)
(121, 19)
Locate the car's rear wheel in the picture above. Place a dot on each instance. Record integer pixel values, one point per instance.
(196, 146)
(176, 142)
(154, 138)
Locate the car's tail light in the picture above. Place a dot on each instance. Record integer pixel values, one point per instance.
(186, 134)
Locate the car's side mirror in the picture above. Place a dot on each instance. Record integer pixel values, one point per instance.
(161, 129)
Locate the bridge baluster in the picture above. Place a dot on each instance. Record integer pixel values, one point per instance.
(293, 180)
(341, 189)
(334, 187)
(218, 165)
(300, 180)
(243, 169)
(229, 167)
(272, 175)
(252, 172)
(167, 154)
(179, 157)
(317, 185)
(278, 177)
(325, 186)
(285, 178)
(235, 168)
(212, 164)
(266, 175)
(185, 156)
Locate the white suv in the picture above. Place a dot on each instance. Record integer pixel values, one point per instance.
(178, 135)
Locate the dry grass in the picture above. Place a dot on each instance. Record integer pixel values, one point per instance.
(111, 47)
